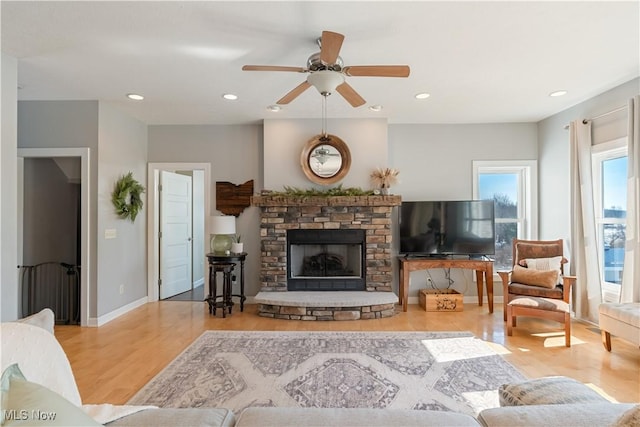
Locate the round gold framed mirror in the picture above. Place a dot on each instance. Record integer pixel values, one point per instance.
(325, 159)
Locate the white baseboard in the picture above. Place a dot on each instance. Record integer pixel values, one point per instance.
(105, 318)
(198, 282)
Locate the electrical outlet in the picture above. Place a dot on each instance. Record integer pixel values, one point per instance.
(121, 289)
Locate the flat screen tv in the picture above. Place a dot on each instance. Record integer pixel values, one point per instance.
(442, 228)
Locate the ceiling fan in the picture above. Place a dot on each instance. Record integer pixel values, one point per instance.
(327, 73)
(322, 154)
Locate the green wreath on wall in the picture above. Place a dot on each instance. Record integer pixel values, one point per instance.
(126, 197)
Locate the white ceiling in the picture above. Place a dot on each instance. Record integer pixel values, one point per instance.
(481, 62)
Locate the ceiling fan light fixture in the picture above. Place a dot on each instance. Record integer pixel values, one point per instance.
(376, 108)
(325, 81)
(274, 108)
(321, 155)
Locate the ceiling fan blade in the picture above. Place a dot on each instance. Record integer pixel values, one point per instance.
(273, 68)
(350, 95)
(377, 70)
(294, 93)
(330, 46)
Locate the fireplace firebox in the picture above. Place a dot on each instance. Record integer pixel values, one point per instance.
(326, 260)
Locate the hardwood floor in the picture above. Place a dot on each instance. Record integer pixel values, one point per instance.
(113, 362)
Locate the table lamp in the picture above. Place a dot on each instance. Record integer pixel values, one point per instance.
(222, 229)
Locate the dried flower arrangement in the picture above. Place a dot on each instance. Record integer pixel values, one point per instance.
(384, 177)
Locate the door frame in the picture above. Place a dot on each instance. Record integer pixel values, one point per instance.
(85, 223)
(153, 216)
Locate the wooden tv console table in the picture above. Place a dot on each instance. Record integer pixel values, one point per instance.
(481, 266)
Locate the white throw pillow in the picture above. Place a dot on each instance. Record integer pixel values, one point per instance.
(546, 264)
(30, 404)
(44, 319)
(40, 356)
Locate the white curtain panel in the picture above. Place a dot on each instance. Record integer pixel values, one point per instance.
(585, 264)
(630, 291)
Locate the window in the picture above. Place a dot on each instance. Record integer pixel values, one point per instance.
(610, 203)
(512, 185)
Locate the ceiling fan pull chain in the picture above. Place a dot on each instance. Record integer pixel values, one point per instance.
(324, 115)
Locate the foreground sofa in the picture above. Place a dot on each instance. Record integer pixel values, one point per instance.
(37, 376)
(31, 347)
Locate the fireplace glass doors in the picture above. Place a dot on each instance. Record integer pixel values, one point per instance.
(325, 260)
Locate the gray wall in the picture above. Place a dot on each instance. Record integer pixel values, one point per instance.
(117, 145)
(554, 173)
(8, 190)
(122, 148)
(284, 141)
(235, 154)
(435, 163)
(66, 124)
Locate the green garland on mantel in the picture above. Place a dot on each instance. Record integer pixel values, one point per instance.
(126, 197)
(312, 192)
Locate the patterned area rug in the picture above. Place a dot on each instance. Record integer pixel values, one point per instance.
(448, 371)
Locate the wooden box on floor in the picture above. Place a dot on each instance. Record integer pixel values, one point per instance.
(440, 300)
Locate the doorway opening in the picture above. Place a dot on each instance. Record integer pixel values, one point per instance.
(53, 225)
(178, 209)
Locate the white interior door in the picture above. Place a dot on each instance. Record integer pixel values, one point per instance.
(175, 234)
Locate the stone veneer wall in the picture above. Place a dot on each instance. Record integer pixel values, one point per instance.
(327, 313)
(282, 213)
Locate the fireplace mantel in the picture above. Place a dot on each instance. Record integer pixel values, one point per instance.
(284, 201)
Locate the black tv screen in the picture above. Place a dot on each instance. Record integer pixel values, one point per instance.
(461, 227)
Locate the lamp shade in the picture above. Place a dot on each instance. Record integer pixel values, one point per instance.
(222, 225)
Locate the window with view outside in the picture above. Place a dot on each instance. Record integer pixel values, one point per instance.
(609, 167)
(512, 185)
(502, 188)
(613, 213)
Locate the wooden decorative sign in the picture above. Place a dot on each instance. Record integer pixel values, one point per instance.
(232, 199)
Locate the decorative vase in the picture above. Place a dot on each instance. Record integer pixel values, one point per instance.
(385, 191)
(237, 248)
(221, 243)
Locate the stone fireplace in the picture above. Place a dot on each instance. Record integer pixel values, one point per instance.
(351, 265)
(325, 260)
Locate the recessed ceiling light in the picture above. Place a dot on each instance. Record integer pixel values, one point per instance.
(274, 108)
(376, 108)
(230, 96)
(135, 96)
(558, 93)
(423, 95)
